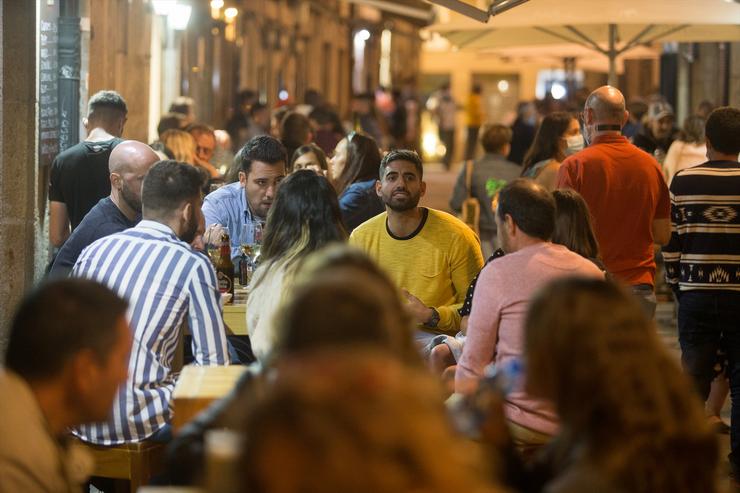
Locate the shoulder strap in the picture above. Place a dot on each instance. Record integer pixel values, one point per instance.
(469, 178)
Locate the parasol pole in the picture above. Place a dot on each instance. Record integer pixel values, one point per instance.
(613, 81)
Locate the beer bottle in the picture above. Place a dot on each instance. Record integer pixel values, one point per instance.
(225, 267)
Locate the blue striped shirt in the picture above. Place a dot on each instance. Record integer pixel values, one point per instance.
(228, 207)
(166, 284)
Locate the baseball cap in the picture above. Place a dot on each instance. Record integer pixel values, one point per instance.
(658, 110)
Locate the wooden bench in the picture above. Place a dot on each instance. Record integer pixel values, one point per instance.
(134, 462)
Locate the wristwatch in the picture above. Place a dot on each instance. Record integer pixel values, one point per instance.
(434, 320)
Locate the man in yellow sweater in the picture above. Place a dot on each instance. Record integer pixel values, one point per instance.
(431, 255)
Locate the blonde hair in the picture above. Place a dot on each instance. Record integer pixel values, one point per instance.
(622, 398)
(356, 421)
(340, 297)
(181, 143)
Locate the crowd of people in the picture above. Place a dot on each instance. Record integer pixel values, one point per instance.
(387, 340)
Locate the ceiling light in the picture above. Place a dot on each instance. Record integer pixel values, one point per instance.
(163, 7)
(179, 17)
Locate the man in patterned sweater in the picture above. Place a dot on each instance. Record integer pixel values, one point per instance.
(703, 261)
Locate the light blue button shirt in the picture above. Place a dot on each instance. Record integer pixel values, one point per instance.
(228, 207)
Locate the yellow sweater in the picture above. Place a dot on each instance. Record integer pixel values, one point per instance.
(436, 264)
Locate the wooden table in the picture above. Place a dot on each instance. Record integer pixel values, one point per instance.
(235, 314)
(198, 387)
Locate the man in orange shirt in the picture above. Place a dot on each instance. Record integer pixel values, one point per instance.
(625, 192)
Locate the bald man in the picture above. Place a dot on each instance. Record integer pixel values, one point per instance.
(129, 162)
(625, 192)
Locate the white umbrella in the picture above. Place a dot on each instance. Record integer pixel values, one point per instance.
(610, 27)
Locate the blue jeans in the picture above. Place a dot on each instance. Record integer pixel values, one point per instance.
(645, 294)
(705, 317)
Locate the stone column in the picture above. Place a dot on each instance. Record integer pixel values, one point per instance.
(19, 183)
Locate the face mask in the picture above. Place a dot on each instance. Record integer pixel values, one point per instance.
(575, 144)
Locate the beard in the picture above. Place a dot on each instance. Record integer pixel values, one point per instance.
(191, 229)
(131, 199)
(401, 203)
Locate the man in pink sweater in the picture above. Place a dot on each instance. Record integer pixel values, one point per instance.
(525, 221)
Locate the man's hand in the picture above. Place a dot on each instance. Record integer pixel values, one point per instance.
(421, 313)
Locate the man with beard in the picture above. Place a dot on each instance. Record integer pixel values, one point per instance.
(239, 207)
(431, 255)
(166, 284)
(659, 132)
(129, 162)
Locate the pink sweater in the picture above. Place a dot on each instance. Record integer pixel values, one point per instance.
(496, 326)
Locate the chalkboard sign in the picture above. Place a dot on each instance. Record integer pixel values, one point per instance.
(48, 144)
(48, 84)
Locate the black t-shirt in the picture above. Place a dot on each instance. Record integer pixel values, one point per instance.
(80, 177)
(103, 220)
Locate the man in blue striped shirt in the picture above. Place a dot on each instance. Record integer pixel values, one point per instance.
(239, 207)
(167, 284)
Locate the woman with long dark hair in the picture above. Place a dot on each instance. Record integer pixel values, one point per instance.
(630, 420)
(356, 164)
(304, 217)
(573, 226)
(558, 136)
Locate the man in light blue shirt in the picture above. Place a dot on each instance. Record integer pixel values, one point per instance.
(240, 207)
(166, 284)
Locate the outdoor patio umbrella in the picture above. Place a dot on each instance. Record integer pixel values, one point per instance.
(610, 27)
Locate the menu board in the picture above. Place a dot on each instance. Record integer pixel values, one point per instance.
(48, 85)
(48, 77)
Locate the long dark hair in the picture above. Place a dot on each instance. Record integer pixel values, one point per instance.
(573, 227)
(363, 161)
(304, 217)
(546, 143)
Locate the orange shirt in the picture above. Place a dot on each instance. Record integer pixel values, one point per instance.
(625, 191)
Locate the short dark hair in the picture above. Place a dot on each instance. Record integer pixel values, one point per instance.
(246, 96)
(167, 185)
(495, 137)
(59, 319)
(263, 148)
(295, 129)
(106, 105)
(723, 128)
(402, 155)
(531, 207)
(170, 121)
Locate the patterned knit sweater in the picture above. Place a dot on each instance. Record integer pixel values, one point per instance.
(704, 251)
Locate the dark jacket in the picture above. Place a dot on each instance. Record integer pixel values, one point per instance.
(358, 203)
